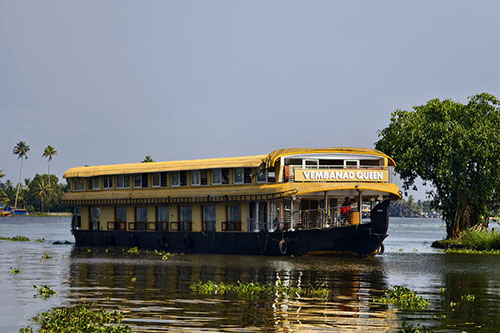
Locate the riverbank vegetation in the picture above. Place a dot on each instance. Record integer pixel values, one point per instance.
(81, 318)
(454, 147)
(251, 289)
(472, 241)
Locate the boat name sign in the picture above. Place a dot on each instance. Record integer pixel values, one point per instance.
(308, 175)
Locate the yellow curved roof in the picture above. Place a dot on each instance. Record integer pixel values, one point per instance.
(274, 155)
(118, 169)
(231, 162)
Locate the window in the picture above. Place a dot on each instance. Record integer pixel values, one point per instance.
(78, 184)
(141, 214)
(145, 180)
(95, 183)
(247, 175)
(121, 214)
(208, 217)
(203, 177)
(225, 176)
(176, 178)
(123, 181)
(95, 215)
(155, 179)
(233, 223)
(351, 163)
(163, 179)
(162, 217)
(216, 177)
(183, 178)
(271, 176)
(233, 213)
(162, 214)
(195, 177)
(238, 175)
(185, 218)
(107, 182)
(185, 213)
(137, 180)
(262, 176)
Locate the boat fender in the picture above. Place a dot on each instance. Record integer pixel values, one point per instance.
(283, 247)
(381, 249)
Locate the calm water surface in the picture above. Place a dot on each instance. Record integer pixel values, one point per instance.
(160, 299)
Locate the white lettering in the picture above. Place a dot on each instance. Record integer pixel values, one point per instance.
(306, 174)
(332, 175)
(319, 174)
(351, 174)
(359, 175)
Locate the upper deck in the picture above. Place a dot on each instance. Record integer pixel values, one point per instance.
(292, 170)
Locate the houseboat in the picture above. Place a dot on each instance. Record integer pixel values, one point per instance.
(292, 201)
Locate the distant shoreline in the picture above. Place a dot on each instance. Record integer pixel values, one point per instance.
(38, 214)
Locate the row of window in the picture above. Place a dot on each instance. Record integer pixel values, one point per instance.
(185, 215)
(178, 178)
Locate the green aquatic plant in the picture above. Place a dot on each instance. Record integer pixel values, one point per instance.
(46, 256)
(14, 271)
(468, 298)
(61, 243)
(251, 289)
(409, 328)
(40, 240)
(81, 318)
(133, 250)
(45, 291)
(15, 239)
(403, 298)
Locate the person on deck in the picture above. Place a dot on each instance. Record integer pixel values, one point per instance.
(345, 210)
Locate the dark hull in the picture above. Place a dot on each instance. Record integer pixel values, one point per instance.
(361, 240)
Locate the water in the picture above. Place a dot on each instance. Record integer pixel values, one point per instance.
(160, 299)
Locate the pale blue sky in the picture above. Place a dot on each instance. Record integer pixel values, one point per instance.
(112, 81)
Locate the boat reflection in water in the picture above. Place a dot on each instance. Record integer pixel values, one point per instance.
(160, 296)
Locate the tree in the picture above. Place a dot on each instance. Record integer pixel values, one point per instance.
(455, 147)
(43, 190)
(49, 152)
(147, 159)
(21, 150)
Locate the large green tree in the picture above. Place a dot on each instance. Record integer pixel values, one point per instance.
(21, 150)
(456, 148)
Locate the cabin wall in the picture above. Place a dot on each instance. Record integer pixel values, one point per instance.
(220, 215)
(85, 217)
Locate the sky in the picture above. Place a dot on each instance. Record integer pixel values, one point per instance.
(108, 82)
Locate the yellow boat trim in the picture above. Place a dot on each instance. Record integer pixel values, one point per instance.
(231, 190)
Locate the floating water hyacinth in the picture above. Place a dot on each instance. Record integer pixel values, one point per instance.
(15, 239)
(403, 298)
(80, 318)
(254, 289)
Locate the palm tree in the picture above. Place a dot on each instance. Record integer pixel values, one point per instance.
(2, 174)
(21, 150)
(43, 191)
(49, 152)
